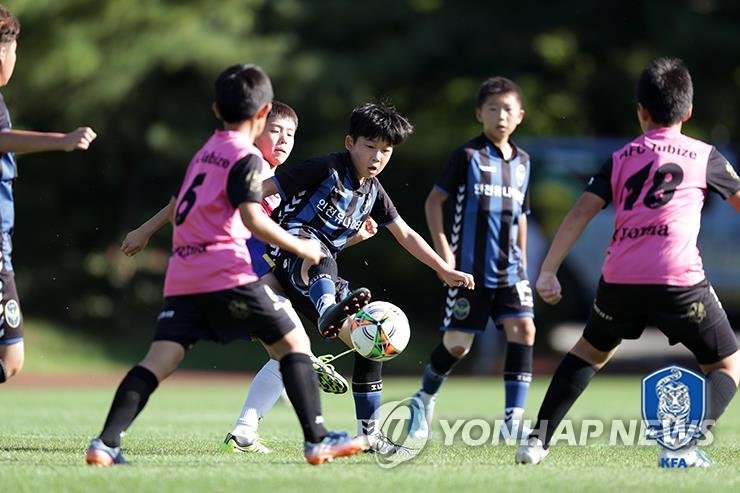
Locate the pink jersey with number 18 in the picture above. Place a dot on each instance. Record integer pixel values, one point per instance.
(658, 185)
(209, 250)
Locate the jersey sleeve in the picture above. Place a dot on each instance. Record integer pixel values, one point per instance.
(721, 176)
(454, 172)
(383, 211)
(601, 183)
(245, 181)
(303, 176)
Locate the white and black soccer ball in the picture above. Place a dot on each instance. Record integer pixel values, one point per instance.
(380, 331)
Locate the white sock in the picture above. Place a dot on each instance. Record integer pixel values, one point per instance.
(513, 413)
(262, 395)
(424, 397)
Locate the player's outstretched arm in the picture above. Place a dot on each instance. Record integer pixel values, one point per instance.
(269, 232)
(23, 141)
(416, 246)
(435, 222)
(137, 239)
(522, 238)
(585, 208)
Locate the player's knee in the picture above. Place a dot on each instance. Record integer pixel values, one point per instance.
(459, 351)
(521, 332)
(9, 369)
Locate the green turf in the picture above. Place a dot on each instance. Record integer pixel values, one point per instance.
(173, 447)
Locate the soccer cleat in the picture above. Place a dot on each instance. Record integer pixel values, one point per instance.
(532, 452)
(235, 444)
(99, 454)
(420, 424)
(514, 428)
(330, 380)
(690, 456)
(379, 443)
(330, 322)
(334, 444)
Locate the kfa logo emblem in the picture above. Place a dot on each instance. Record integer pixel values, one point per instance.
(673, 405)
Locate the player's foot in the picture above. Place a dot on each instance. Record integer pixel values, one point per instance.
(335, 444)
(99, 454)
(331, 320)
(532, 452)
(379, 443)
(329, 379)
(420, 424)
(236, 444)
(691, 455)
(515, 427)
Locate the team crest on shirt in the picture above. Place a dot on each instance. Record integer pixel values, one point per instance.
(521, 175)
(461, 310)
(12, 313)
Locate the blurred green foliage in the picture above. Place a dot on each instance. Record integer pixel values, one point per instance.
(140, 72)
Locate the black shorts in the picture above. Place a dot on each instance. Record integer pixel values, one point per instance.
(469, 311)
(692, 316)
(11, 319)
(244, 312)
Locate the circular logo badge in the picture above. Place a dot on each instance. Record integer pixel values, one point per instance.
(461, 309)
(12, 313)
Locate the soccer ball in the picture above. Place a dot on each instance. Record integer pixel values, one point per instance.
(380, 331)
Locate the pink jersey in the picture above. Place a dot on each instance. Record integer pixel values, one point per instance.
(658, 186)
(208, 240)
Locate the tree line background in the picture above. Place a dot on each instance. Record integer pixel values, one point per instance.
(140, 72)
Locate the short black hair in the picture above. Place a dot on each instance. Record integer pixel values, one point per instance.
(379, 121)
(10, 27)
(241, 90)
(282, 110)
(665, 90)
(498, 85)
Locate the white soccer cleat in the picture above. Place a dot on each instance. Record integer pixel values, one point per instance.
(420, 425)
(532, 452)
(691, 456)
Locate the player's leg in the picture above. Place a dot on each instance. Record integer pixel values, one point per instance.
(12, 352)
(277, 325)
(11, 359)
(520, 332)
(464, 314)
(130, 398)
(264, 392)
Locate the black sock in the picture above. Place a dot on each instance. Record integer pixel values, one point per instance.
(302, 386)
(367, 375)
(3, 376)
(720, 391)
(442, 361)
(131, 397)
(569, 381)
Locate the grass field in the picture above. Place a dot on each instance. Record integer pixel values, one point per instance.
(173, 447)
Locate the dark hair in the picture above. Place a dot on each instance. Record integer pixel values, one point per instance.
(241, 90)
(379, 121)
(282, 110)
(10, 27)
(665, 90)
(498, 85)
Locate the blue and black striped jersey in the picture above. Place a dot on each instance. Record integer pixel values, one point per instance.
(490, 194)
(9, 172)
(324, 195)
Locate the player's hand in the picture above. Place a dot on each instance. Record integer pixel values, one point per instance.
(548, 287)
(455, 278)
(310, 250)
(79, 139)
(134, 242)
(368, 229)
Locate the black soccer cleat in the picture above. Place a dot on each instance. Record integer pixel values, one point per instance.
(331, 321)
